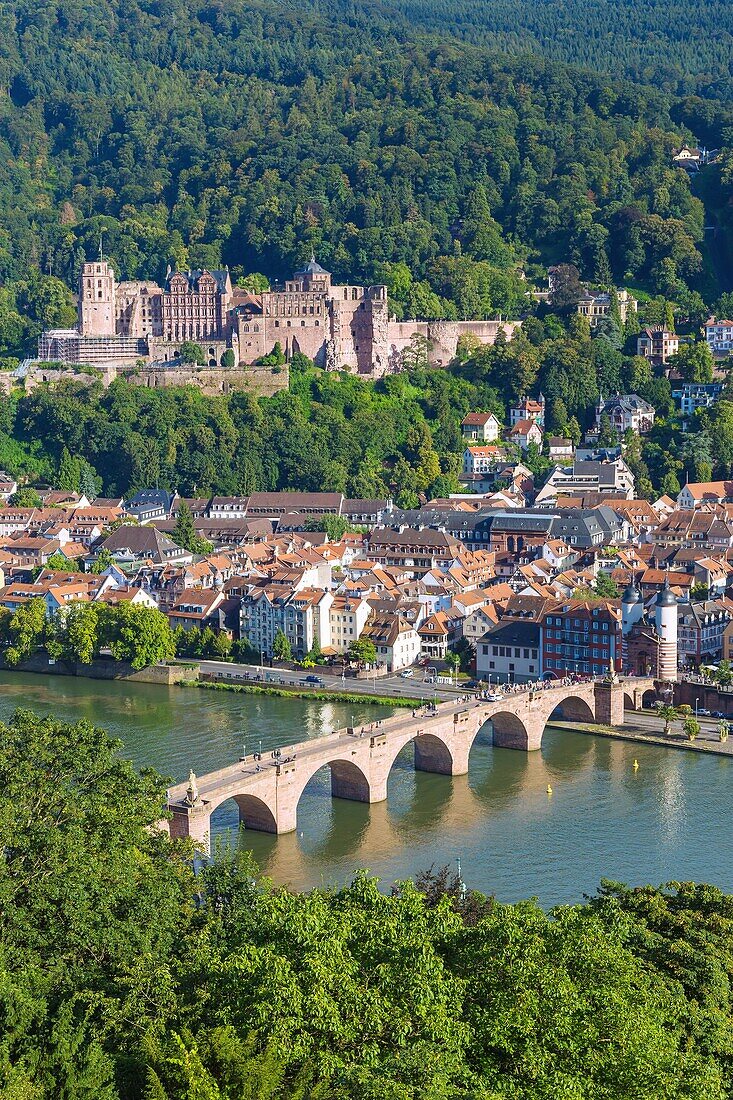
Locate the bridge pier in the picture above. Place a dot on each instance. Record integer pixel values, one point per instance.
(609, 700)
(193, 822)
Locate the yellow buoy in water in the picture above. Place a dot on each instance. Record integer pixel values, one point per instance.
(636, 765)
(549, 789)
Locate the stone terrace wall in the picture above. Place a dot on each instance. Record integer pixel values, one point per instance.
(104, 669)
(443, 337)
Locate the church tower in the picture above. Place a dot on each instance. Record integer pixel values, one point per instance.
(665, 621)
(97, 299)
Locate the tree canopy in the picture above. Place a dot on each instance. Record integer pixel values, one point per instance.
(124, 976)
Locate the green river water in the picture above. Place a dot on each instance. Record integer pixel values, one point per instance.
(668, 820)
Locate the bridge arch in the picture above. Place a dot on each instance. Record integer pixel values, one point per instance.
(629, 703)
(572, 708)
(432, 754)
(510, 731)
(254, 812)
(347, 779)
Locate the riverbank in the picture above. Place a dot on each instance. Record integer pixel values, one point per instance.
(630, 732)
(305, 693)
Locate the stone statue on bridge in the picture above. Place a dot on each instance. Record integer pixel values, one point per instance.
(192, 793)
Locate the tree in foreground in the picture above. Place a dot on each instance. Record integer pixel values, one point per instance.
(668, 715)
(691, 728)
(281, 648)
(184, 533)
(140, 635)
(363, 652)
(92, 899)
(124, 977)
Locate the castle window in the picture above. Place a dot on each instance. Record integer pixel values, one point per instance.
(303, 323)
(317, 323)
(277, 324)
(354, 294)
(246, 328)
(346, 292)
(255, 328)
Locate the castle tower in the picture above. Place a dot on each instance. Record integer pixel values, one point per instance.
(665, 621)
(97, 299)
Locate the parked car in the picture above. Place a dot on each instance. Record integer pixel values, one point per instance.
(407, 673)
(313, 680)
(703, 712)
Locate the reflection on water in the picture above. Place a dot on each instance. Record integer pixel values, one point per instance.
(668, 820)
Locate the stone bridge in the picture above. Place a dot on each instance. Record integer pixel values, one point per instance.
(361, 758)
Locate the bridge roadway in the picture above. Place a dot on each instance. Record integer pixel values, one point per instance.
(267, 792)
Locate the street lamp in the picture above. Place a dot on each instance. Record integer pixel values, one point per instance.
(696, 702)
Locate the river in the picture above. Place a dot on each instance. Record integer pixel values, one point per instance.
(668, 820)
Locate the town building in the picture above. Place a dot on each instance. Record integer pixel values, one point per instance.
(597, 307)
(396, 641)
(483, 458)
(302, 614)
(481, 426)
(626, 411)
(604, 475)
(690, 158)
(657, 344)
(697, 395)
(417, 551)
(581, 637)
(701, 627)
(560, 449)
(694, 494)
(719, 336)
(525, 432)
(527, 408)
(510, 652)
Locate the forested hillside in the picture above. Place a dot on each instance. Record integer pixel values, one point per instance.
(249, 133)
(681, 45)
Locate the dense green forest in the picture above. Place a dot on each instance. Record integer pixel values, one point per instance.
(250, 133)
(124, 976)
(678, 46)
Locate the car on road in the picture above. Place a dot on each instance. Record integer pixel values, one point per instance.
(703, 712)
(494, 697)
(407, 673)
(313, 680)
